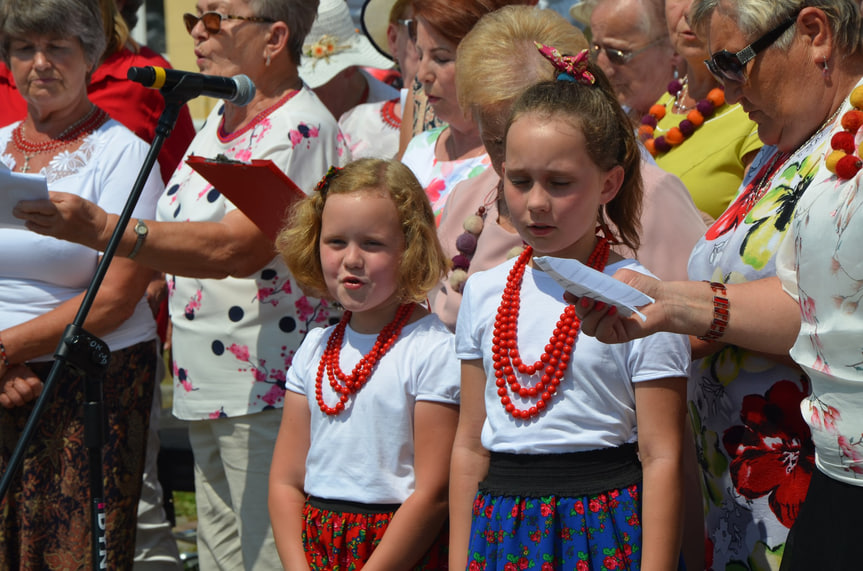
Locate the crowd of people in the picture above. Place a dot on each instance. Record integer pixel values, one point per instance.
(354, 384)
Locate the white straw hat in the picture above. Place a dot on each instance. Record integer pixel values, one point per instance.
(375, 20)
(333, 45)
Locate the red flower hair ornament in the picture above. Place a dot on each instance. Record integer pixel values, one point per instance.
(571, 68)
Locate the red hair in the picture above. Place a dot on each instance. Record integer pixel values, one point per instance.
(453, 19)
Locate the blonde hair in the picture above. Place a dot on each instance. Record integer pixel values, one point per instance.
(497, 60)
(423, 263)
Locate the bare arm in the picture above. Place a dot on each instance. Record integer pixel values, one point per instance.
(763, 317)
(287, 477)
(469, 461)
(420, 518)
(660, 411)
(234, 246)
(123, 286)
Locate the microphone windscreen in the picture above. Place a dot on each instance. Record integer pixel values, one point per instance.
(245, 90)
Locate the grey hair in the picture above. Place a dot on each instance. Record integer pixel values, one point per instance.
(81, 19)
(299, 15)
(756, 17)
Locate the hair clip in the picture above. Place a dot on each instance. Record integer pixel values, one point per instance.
(324, 183)
(571, 68)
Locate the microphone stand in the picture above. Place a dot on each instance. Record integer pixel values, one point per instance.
(89, 356)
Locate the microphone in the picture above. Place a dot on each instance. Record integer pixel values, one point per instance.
(239, 89)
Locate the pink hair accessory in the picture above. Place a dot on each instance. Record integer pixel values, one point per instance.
(573, 68)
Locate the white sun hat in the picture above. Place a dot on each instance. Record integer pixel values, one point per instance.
(581, 10)
(333, 45)
(375, 20)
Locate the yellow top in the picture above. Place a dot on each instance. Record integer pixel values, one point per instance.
(710, 162)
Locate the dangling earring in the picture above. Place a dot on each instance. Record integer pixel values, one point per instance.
(268, 60)
(826, 69)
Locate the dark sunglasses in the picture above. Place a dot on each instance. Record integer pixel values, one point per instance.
(620, 57)
(213, 20)
(727, 66)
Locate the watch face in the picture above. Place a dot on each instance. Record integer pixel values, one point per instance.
(141, 228)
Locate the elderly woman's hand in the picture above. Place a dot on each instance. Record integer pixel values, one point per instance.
(67, 217)
(606, 324)
(18, 386)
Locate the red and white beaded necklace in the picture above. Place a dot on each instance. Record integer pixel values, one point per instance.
(94, 119)
(552, 364)
(346, 385)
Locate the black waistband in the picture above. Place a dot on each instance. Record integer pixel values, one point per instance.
(345, 506)
(570, 475)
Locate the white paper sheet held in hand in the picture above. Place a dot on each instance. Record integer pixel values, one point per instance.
(584, 281)
(14, 187)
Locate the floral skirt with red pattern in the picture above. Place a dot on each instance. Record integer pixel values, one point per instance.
(344, 541)
(556, 533)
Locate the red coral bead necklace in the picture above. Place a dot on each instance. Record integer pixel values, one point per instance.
(552, 364)
(346, 385)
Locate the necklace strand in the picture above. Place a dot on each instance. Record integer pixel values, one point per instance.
(695, 118)
(94, 119)
(346, 385)
(552, 364)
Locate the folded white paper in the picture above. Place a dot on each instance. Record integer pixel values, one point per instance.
(14, 187)
(584, 281)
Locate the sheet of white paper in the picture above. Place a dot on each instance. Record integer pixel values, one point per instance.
(14, 187)
(582, 280)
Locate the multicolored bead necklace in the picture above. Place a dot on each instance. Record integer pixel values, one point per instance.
(553, 363)
(94, 119)
(844, 161)
(346, 385)
(695, 118)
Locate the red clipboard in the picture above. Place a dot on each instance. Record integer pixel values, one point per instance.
(259, 189)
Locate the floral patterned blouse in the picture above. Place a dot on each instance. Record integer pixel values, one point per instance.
(234, 338)
(754, 450)
(438, 178)
(824, 270)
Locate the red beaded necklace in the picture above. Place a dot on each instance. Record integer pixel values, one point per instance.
(553, 363)
(845, 159)
(704, 109)
(346, 385)
(94, 119)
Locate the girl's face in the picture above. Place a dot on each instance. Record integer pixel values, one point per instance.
(553, 188)
(361, 245)
(436, 72)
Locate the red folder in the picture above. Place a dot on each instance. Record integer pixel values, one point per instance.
(259, 189)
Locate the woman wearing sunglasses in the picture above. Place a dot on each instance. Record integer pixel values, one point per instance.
(237, 314)
(796, 67)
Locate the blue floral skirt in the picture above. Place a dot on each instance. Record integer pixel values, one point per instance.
(547, 524)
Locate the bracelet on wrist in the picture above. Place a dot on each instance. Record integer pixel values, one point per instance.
(4, 358)
(721, 313)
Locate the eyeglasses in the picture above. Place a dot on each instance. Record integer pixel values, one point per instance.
(727, 66)
(411, 26)
(620, 57)
(213, 20)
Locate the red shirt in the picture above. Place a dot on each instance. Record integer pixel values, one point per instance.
(135, 106)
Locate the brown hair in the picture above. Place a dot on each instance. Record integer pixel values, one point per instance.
(423, 263)
(609, 137)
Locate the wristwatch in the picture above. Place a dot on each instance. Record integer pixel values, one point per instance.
(141, 232)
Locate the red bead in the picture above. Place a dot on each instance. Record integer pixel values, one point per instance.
(848, 166)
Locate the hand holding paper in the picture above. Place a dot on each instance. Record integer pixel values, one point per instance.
(15, 187)
(583, 281)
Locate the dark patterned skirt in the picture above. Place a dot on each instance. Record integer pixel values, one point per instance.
(45, 518)
(341, 536)
(547, 512)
